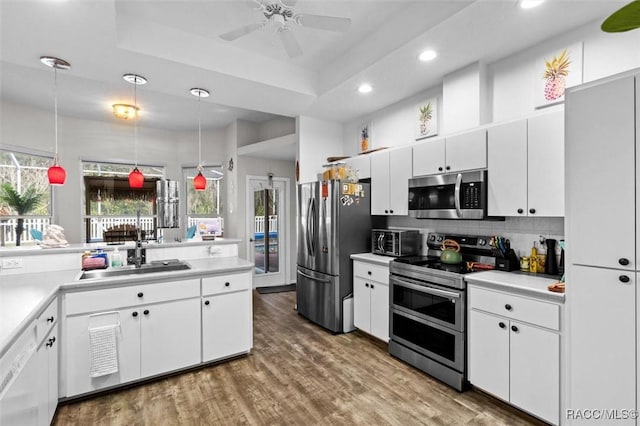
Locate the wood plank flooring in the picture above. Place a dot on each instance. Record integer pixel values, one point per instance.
(297, 374)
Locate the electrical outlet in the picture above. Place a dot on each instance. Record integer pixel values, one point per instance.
(11, 263)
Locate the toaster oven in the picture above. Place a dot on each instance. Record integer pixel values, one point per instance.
(395, 242)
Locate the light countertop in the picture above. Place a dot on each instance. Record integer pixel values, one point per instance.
(79, 248)
(523, 284)
(373, 258)
(23, 297)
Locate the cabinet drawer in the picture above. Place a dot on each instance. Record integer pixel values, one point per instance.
(226, 283)
(371, 271)
(114, 298)
(46, 320)
(520, 308)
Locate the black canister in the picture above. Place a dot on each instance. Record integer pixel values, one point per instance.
(551, 265)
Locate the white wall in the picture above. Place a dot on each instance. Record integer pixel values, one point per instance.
(79, 139)
(464, 103)
(275, 128)
(512, 80)
(317, 140)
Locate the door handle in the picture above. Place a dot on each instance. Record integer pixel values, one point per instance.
(456, 194)
(320, 280)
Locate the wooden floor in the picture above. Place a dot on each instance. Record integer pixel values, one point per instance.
(297, 374)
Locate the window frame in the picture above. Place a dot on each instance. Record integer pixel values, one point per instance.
(189, 171)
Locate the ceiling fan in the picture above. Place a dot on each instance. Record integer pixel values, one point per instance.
(279, 13)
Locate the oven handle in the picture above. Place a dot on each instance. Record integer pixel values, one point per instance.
(456, 196)
(426, 289)
(321, 280)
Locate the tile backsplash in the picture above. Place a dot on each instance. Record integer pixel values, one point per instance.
(522, 231)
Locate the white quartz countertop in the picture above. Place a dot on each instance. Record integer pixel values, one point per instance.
(524, 284)
(23, 297)
(373, 258)
(79, 248)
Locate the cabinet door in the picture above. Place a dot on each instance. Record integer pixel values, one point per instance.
(602, 333)
(428, 157)
(399, 175)
(535, 371)
(545, 153)
(169, 336)
(360, 163)
(78, 353)
(507, 169)
(489, 353)
(600, 152)
(362, 304)
(52, 360)
(226, 325)
(380, 311)
(380, 183)
(467, 151)
(19, 401)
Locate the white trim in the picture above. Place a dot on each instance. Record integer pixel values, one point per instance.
(28, 151)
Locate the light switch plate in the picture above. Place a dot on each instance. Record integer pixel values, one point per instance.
(11, 263)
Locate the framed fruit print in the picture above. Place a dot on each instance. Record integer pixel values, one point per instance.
(426, 114)
(555, 72)
(364, 137)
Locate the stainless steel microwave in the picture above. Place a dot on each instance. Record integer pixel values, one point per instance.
(449, 196)
(395, 242)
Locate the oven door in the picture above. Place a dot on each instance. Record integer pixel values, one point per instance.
(429, 302)
(439, 343)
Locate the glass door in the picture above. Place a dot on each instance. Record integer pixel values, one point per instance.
(267, 230)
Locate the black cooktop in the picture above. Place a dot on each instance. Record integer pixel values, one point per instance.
(433, 262)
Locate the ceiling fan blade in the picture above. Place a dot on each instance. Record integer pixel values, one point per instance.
(239, 32)
(329, 23)
(288, 3)
(289, 42)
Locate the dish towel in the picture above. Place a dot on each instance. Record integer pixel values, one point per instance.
(104, 350)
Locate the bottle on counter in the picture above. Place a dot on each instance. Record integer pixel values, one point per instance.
(116, 259)
(533, 259)
(524, 264)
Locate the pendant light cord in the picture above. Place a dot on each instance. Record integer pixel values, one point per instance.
(135, 121)
(55, 112)
(199, 134)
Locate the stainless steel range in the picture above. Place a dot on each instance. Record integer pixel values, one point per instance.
(428, 307)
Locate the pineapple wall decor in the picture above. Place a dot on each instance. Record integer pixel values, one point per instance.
(556, 72)
(427, 118)
(364, 137)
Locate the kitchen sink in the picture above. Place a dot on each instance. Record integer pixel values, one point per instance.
(149, 268)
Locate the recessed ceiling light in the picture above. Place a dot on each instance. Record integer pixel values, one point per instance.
(134, 79)
(530, 4)
(427, 55)
(365, 88)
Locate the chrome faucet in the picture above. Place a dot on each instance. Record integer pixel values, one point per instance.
(137, 258)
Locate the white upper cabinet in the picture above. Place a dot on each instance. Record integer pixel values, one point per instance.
(390, 174)
(361, 163)
(467, 151)
(526, 167)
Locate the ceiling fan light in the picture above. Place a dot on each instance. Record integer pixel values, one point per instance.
(365, 88)
(136, 179)
(124, 111)
(56, 174)
(199, 182)
(427, 55)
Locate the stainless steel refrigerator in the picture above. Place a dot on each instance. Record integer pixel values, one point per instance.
(334, 221)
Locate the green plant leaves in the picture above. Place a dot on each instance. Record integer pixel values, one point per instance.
(625, 19)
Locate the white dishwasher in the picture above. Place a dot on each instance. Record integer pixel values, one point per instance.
(18, 383)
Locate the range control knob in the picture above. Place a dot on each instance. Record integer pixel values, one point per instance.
(440, 238)
(432, 237)
(482, 242)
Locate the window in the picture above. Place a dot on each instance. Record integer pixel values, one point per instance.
(204, 207)
(111, 206)
(24, 171)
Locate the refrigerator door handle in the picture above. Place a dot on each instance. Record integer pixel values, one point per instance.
(321, 280)
(308, 230)
(312, 228)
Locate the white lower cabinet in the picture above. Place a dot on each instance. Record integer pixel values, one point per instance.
(226, 316)
(371, 299)
(514, 360)
(151, 338)
(47, 359)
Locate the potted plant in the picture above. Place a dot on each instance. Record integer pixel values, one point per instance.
(21, 203)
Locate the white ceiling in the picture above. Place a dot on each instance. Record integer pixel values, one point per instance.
(176, 46)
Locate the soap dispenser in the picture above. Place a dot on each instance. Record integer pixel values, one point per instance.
(116, 260)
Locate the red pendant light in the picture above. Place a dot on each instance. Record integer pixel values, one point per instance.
(199, 182)
(56, 173)
(136, 178)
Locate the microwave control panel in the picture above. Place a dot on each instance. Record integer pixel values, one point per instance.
(470, 194)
